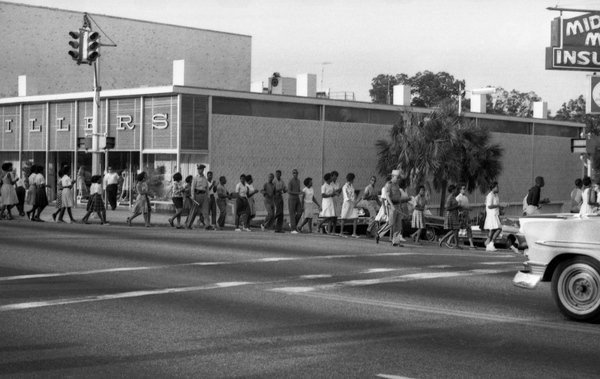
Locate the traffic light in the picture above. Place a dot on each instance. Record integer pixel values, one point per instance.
(110, 143)
(77, 46)
(91, 45)
(84, 143)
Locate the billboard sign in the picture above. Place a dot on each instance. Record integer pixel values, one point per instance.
(575, 43)
(592, 99)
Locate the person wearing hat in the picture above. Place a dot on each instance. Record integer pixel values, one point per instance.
(397, 198)
(199, 192)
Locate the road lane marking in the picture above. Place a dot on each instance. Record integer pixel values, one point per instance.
(377, 270)
(529, 322)
(159, 267)
(115, 296)
(387, 280)
(385, 376)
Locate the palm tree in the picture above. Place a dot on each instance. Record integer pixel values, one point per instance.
(440, 148)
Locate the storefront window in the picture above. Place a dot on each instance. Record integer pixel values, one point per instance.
(160, 169)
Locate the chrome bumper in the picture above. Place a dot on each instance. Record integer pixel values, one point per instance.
(525, 279)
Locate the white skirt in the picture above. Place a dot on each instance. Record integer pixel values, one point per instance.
(328, 208)
(491, 220)
(348, 211)
(67, 198)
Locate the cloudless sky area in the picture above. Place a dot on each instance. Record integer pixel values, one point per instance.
(486, 42)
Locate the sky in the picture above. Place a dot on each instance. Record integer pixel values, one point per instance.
(346, 43)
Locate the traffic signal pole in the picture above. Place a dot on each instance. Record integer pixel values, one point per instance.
(96, 162)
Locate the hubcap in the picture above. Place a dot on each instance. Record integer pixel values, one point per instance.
(579, 288)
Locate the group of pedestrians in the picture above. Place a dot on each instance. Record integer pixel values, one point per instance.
(201, 197)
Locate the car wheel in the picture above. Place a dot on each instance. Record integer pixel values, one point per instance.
(576, 288)
(430, 234)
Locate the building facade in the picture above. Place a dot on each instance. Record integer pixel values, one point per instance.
(35, 42)
(167, 129)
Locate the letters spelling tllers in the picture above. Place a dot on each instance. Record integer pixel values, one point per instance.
(124, 122)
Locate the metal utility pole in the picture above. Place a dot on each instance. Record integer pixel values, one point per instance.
(85, 49)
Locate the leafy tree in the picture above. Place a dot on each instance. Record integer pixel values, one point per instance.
(513, 103)
(440, 148)
(428, 89)
(383, 86)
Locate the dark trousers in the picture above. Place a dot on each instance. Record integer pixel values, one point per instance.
(241, 212)
(295, 209)
(212, 210)
(270, 208)
(222, 204)
(278, 213)
(198, 209)
(111, 195)
(21, 196)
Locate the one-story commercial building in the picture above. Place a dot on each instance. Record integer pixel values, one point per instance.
(167, 117)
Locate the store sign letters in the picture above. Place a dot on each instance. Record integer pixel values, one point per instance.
(159, 121)
(575, 43)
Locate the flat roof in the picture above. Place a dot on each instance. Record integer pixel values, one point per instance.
(188, 90)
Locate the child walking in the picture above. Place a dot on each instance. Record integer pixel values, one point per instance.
(96, 203)
(309, 202)
(417, 216)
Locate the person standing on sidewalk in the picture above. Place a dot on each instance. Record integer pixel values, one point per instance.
(223, 196)
(309, 202)
(67, 196)
(241, 205)
(397, 198)
(348, 212)
(278, 200)
(212, 203)
(492, 219)
(268, 193)
(294, 203)
(142, 202)
(21, 192)
(8, 191)
(111, 184)
(59, 190)
(96, 203)
(199, 193)
(177, 198)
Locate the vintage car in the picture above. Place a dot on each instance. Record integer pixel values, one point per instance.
(564, 249)
(510, 234)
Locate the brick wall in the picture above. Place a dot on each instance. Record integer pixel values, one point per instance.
(35, 42)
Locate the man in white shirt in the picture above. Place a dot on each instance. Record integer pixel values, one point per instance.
(199, 192)
(111, 183)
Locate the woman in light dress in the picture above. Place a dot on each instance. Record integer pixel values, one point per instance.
(492, 216)
(348, 212)
(589, 198)
(309, 202)
(67, 195)
(328, 192)
(8, 191)
(142, 202)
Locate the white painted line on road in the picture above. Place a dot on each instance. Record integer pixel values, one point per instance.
(114, 296)
(376, 270)
(316, 276)
(126, 269)
(385, 376)
(387, 280)
(529, 322)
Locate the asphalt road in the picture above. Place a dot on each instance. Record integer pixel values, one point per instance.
(111, 301)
